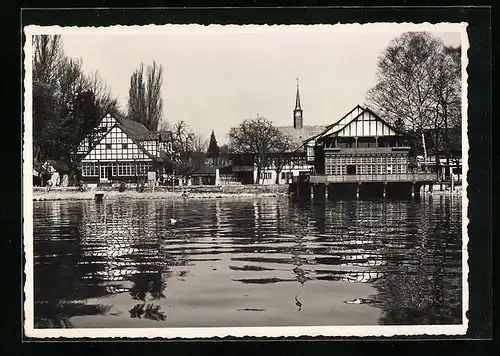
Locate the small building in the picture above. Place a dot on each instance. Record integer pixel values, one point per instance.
(363, 149)
(447, 163)
(54, 173)
(122, 150)
(205, 175)
(215, 171)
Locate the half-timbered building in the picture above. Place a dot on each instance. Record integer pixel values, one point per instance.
(360, 148)
(122, 150)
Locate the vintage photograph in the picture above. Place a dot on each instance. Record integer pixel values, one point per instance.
(201, 181)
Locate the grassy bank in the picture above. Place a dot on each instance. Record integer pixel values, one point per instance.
(198, 192)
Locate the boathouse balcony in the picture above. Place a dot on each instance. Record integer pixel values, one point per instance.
(373, 178)
(365, 150)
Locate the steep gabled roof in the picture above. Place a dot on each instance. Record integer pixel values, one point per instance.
(135, 130)
(336, 123)
(374, 115)
(298, 136)
(366, 110)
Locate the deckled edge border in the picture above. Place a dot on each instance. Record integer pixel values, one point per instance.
(267, 332)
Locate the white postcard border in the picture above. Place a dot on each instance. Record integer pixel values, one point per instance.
(267, 332)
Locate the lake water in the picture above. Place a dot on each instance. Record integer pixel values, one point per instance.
(253, 262)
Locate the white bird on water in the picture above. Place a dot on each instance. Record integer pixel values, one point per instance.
(172, 221)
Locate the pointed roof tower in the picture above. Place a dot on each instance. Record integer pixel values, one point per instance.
(297, 99)
(297, 112)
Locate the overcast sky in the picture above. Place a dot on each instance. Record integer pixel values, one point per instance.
(215, 77)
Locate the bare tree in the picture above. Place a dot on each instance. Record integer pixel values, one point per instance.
(188, 150)
(406, 78)
(104, 99)
(48, 52)
(164, 126)
(257, 137)
(154, 100)
(67, 104)
(137, 108)
(145, 104)
(282, 154)
(447, 95)
(200, 143)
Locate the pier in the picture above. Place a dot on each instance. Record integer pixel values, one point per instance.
(363, 186)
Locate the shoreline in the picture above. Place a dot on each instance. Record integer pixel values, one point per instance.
(55, 195)
(115, 195)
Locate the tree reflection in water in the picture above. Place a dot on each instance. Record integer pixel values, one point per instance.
(147, 311)
(62, 283)
(426, 288)
(57, 314)
(409, 251)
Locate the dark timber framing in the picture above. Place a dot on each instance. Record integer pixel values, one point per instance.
(362, 153)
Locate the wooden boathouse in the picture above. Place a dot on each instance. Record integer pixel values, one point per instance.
(362, 155)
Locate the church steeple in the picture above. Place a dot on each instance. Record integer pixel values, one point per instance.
(297, 112)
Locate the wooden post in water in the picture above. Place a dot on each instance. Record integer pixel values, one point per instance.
(311, 187)
(98, 197)
(384, 189)
(326, 191)
(357, 190)
(413, 189)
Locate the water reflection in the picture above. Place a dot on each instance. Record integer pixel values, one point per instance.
(88, 256)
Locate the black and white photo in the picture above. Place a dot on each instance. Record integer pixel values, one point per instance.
(245, 180)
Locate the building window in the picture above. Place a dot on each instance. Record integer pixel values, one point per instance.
(124, 146)
(310, 153)
(266, 175)
(330, 165)
(108, 146)
(89, 169)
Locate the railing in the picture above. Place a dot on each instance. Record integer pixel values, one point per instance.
(359, 178)
(242, 168)
(367, 149)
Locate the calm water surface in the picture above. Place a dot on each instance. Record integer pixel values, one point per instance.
(262, 262)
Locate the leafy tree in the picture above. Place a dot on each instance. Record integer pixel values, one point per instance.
(258, 137)
(213, 148)
(145, 104)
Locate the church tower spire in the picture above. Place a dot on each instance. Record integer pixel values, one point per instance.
(297, 112)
